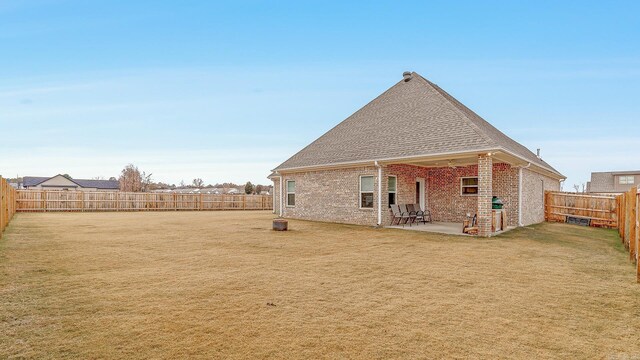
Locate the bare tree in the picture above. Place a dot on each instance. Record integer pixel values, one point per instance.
(576, 187)
(198, 183)
(130, 179)
(146, 181)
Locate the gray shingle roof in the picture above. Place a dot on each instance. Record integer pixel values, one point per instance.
(412, 118)
(98, 184)
(33, 180)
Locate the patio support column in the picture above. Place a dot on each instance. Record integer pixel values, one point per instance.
(485, 184)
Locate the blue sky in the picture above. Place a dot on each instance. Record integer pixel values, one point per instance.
(226, 91)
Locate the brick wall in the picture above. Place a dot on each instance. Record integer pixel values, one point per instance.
(332, 196)
(533, 187)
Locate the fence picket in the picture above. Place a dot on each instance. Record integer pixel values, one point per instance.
(7, 204)
(41, 200)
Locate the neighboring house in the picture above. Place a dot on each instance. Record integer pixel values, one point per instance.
(414, 143)
(613, 182)
(60, 182)
(16, 185)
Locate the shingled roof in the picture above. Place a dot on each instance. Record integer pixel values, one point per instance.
(412, 118)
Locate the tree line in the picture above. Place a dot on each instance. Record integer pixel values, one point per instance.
(133, 180)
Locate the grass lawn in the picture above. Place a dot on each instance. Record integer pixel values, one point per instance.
(222, 285)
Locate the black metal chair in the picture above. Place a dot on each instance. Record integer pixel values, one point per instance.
(412, 215)
(421, 216)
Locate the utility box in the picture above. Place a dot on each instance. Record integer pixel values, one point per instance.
(575, 220)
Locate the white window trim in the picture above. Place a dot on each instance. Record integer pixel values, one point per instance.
(394, 192)
(468, 186)
(360, 192)
(628, 180)
(287, 191)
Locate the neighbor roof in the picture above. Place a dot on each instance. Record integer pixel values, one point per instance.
(98, 184)
(33, 180)
(412, 118)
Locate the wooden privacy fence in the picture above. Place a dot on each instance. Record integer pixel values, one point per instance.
(598, 210)
(7, 204)
(629, 220)
(43, 200)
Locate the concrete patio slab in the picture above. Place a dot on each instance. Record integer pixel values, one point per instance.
(439, 227)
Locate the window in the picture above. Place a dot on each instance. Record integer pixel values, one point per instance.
(469, 186)
(366, 192)
(291, 193)
(626, 180)
(392, 183)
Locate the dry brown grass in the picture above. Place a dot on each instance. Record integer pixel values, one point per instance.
(171, 285)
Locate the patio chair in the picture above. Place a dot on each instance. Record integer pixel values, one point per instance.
(399, 216)
(412, 215)
(423, 216)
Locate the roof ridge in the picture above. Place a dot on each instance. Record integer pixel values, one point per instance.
(499, 138)
(412, 117)
(475, 126)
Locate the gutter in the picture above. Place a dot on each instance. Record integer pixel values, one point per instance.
(520, 192)
(552, 173)
(375, 163)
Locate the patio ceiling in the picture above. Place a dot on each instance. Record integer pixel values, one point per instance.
(454, 160)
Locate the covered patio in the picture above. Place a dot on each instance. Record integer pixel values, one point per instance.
(456, 188)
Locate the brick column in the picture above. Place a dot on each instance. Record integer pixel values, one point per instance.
(485, 185)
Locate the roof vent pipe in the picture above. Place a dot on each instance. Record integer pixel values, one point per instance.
(538, 153)
(406, 75)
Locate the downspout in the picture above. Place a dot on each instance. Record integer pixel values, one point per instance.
(520, 192)
(273, 198)
(280, 195)
(379, 192)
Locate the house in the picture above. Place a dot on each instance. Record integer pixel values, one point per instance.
(16, 185)
(414, 143)
(613, 182)
(60, 182)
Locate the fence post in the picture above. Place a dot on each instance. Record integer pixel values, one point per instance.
(1, 206)
(546, 204)
(632, 224)
(637, 239)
